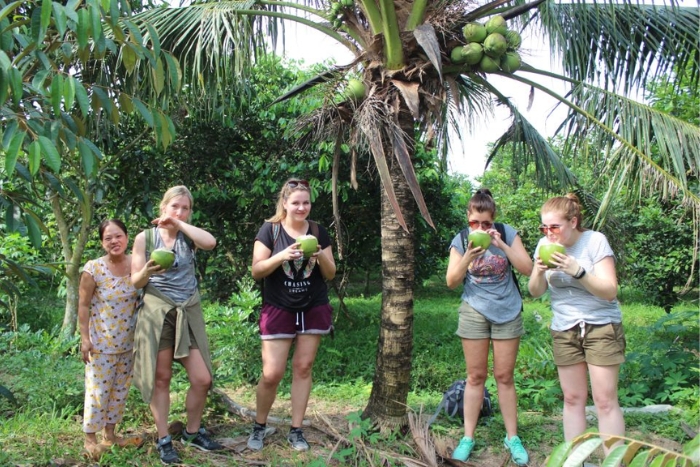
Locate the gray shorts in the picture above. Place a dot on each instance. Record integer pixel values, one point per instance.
(473, 325)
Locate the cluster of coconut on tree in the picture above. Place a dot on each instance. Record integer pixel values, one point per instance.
(337, 12)
(489, 47)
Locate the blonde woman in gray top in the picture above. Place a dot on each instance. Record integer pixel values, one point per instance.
(170, 326)
(587, 333)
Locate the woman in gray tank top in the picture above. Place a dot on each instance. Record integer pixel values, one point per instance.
(172, 310)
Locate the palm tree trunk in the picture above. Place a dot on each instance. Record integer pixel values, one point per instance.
(387, 403)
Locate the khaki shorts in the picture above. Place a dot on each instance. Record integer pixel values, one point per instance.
(597, 344)
(167, 335)
(473, 325)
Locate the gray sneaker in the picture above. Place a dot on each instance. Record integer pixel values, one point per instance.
(297, 440)
(259, 433)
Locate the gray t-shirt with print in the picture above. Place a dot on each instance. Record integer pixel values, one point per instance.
(571, 302)
(489, 287)
(179, 282)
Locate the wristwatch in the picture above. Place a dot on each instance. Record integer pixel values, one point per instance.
(581, 272)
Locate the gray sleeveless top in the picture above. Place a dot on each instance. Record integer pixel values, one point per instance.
(179, 282)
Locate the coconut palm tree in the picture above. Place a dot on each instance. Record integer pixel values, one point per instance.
(414, 84)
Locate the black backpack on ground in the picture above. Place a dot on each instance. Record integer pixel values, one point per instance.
(453, 403)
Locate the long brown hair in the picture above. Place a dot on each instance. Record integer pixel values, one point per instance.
(568, 206)
(289, 187)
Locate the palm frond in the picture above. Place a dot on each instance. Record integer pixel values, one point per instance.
(530, 146)
(623, 44)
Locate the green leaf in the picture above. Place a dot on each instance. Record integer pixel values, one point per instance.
(16, 87)
(158, 76)
(9, 133)
(45, 14)
(144, 111)
(166, 136)
(56, 94)
(12, 152)
(5, 62)
(11, 219)
(33, 230)
(83, 25)
(615, 456)
(95, 22)
(34, 154)
(51, 156)
(9, 9)
(128, 57)
(69, 93)
(556, 459)
(114, 14)
(125, 103)
(174, 70)
(3, 86)
(82, 97)
(75, 189)
(87, 157)
(105, 101)
(60, 18)
(153, 35)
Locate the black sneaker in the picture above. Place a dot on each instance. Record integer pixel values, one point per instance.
(297, 440)
(200, 440)
(168, 454)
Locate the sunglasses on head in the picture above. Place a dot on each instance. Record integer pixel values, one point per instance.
(296, 183)
(554, 228)
(484, 224)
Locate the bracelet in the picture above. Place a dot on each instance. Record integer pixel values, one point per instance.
(581, 272)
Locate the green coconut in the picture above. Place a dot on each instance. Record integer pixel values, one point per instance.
(308, 244)
(495, 45)
(496, 24)
(163, 257)
(513, 39)
(511, 62)
(479, 238)
(472, 53)
(489, 65)
(547, 250)
(474, 32)
(355, 89)
(457, 55)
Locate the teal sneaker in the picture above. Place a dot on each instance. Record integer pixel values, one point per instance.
(464, 449)
(518, 454)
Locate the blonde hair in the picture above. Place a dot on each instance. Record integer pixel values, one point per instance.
(174, 192)
(567, 206)
(289, 187)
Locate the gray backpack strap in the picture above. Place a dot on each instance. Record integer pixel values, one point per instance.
(276, 226)
(314, 228)
(150, 241)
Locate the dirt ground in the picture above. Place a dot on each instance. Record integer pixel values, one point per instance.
(328, 429)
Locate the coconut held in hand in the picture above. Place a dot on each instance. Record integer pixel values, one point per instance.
(163, 257)
(309, 245)
(479, 238)
(547, 250)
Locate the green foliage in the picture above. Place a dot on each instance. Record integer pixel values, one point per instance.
(664, 367)
(234, 337)
(632, 452)
(659, 251)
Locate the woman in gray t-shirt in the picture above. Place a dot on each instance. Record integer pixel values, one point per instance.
(587, 333)
(489, 316)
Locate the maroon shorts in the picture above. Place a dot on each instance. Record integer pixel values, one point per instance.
(276, 323)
